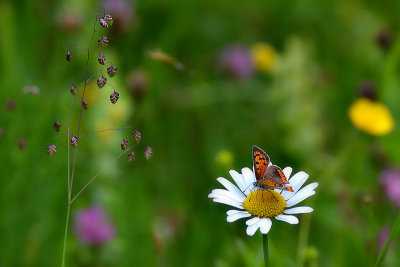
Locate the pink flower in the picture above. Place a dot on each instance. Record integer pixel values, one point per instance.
(235, 61)
(390, 180)
(93, 227)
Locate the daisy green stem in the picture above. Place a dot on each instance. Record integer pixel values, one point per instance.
(265, 248)
(395, 231)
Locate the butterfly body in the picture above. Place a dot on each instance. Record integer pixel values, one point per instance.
(268, 176)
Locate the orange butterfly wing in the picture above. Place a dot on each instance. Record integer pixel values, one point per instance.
(282, 176)
(260, 162)
(268, 184)
(284, 181)
(274, 178)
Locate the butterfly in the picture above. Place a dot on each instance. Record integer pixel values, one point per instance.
(268, 177)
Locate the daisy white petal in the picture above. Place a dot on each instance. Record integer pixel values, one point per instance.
(237, 216)
(237, 197)
(231, 212)
(287, 218)
(251, 229)
(265, 225)
(228, 201)
(296, 182)
(248, 176)
(309, 187)
(287, 171)
(302, 194)
(230, 187)
(252, 221)
(298, 210)
(239, 179)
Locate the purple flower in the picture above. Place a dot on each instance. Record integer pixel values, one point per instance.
(103, 23)
(390, 180)
(111, 70)
(383, 236)
(137, 136)
(124, 144)
(74, 141)
(101, 81)
(131, 157)
(148, 152)
(101, 59)
(51, 150)
(236, 61)
(114, 97)
(93, 227)
(103, 41)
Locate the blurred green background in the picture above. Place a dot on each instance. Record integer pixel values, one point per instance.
(200, 122)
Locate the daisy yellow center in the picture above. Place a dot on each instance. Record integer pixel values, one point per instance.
(264, 203)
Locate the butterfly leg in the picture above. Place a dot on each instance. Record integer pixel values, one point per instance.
(272, 194)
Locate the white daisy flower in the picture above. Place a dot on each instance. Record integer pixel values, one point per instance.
(262, 205)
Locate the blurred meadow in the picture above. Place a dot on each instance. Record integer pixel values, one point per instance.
(316, 84)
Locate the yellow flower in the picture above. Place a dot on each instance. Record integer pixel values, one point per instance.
(224, 158)
(371, 117)
(264, 57)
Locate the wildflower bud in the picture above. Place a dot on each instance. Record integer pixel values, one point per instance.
(114, 97)
(84, 104)
(366, 199)
(101, 81)
(1, 132)
(31, 90)
(69, 21)
(367, 89)
(137, 136)
(103, 23)
(57, 126)
(21, 143)
(108, 19)
(102, 59)
(131, 157)
(10, 105)
(111, 70)
(74, 141)
(385, 39)
(138, 83)
(311, 254)
(68, 56)
(103, 41)
(51, 150)
(148, 152)
(124, 144)
(73, 90)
